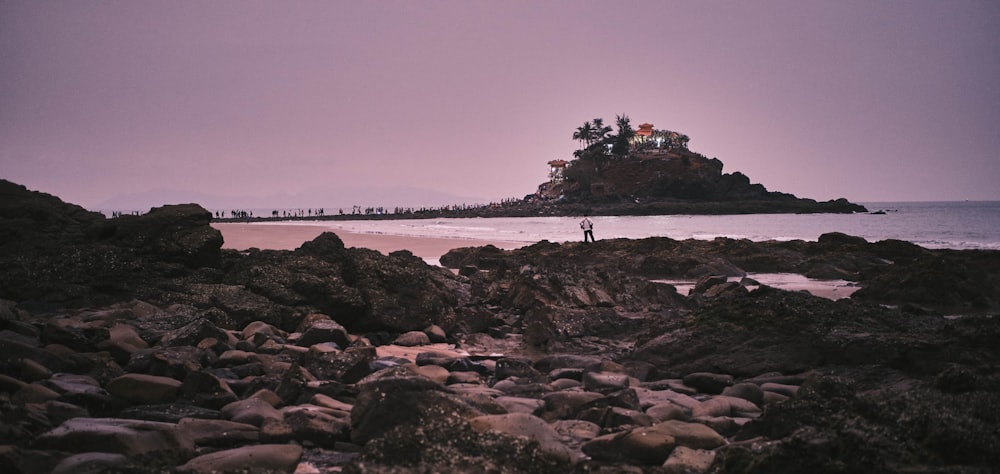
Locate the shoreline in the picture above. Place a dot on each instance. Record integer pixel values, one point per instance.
(242, 236)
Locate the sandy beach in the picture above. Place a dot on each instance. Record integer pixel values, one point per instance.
(240, 236)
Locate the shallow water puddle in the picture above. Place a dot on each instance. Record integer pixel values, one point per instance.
(831, 289)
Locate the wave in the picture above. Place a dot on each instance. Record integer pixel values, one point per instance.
(932, 225)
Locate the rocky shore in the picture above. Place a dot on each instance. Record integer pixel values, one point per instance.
(138, 345)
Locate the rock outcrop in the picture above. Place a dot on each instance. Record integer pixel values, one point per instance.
(675, 182)
(137, 345)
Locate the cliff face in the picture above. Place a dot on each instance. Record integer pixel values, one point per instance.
(679, 174)
(679, 177)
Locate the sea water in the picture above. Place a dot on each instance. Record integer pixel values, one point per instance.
(953, 225)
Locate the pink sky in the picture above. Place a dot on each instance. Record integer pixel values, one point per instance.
(868, 100)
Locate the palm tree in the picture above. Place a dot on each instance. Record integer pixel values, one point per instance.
(601, 131)
(624, 137)
(585, 134)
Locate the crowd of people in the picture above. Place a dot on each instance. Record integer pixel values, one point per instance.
(367, 211)
(235, 214)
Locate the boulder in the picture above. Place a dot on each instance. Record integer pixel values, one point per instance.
(256, 458)
(111, 435)
(348, 366)
(528, 426)
(144, 389)
(666, 411)
(435, 333)
(707, 282)
(564, 405)
(722, 405)
(218, 433)
(412, 338)
(520, 404)
(331, 403)
(434, 372)
(92, 463)
(781, 389)
(386, 403)
(576, 432)
(193, 333)
(614, 418)
(206, 390)
(605, 381)
(552, 362)
(252, 411)
(692, 435)
(234, 357)
(169, 413)
(649, 398)
(83, 390)
(643, 446)
(123, 341)
(510, 367)
(323, 330)
(73, 333)
(317, 425)
(747, 391)
(34, 393)
(708, 382)
(259, 332)
(178, 232)
(685, 460)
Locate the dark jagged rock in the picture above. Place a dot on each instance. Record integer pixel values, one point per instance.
(62, 255)
(678, 182)
(959, 281)
(172, 233)
(890, 272)
(28, 216)
(124, 334)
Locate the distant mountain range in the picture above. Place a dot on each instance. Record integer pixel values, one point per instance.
(329, 198)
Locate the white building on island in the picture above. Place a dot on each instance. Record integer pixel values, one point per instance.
(557, 170)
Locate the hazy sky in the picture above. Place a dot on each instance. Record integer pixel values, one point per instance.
(868, 100)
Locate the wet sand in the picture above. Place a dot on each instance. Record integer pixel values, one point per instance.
(291, 236)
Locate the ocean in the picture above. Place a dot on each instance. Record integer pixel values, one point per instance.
(952, 225)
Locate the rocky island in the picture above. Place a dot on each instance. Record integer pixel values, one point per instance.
(646, 171)
(138, 344)
(634, 172)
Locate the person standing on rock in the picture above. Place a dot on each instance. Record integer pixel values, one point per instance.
(588, 229)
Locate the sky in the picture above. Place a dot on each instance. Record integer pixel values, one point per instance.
(303, 103)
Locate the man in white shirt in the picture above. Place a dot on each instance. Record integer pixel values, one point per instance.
(588, 229)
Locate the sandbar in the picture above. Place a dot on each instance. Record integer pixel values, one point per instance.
(242, 236)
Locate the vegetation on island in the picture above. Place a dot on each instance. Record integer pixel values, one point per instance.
(626, 170)
(599, 146)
